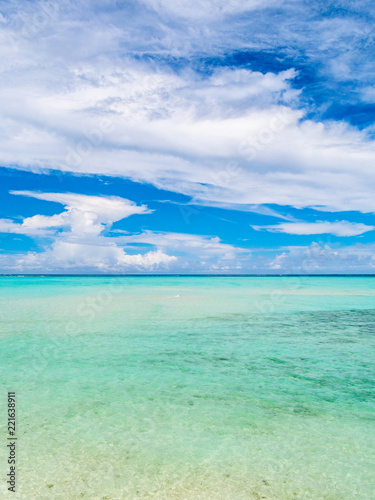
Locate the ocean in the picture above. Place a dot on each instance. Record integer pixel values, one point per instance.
(190, 387)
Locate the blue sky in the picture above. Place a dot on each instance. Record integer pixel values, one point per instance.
(187, 137)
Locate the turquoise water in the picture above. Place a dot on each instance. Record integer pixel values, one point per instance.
(190, 388)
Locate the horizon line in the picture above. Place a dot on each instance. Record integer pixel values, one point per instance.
(144, 275)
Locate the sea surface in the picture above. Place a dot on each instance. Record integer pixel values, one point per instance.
(190, 387)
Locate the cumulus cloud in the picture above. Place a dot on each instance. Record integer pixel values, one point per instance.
(196, 246)
(84, 215)
(77, 236)
(81, 240)
(195, 253)
(107, 209)
(341, 228)
(67, 256)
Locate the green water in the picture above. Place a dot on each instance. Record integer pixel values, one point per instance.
(190, 388)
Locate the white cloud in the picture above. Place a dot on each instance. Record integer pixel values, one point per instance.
(98, 110)
(184, 133)
(181, 242)
(171, 252)
(206, 9)
(342, 228)
(196, 253)
(104, 255)
(78, 243)
(84, 215)
(68, 256)
(77, 240)
(83, 90)
(325, 259)
(9, 226)
(368, 94)
(108, 209)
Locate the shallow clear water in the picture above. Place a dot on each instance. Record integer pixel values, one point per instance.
(190, 388)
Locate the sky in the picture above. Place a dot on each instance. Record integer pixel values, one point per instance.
(187, 137)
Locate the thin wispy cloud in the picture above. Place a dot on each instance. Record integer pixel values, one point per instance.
(342, 228)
